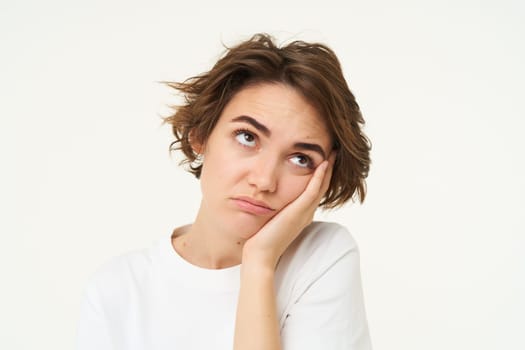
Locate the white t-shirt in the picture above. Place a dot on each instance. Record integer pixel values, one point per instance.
(155, 300)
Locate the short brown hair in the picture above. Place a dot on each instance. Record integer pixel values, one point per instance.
(313, 70)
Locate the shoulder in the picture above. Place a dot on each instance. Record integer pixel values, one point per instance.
(323, 242)
(326, 236)
(320, 268)
(319, 248)
(115, 279)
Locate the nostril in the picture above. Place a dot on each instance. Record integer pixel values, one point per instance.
(264, 177)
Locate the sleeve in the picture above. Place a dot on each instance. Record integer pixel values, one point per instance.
(330, 312)
(92, 329)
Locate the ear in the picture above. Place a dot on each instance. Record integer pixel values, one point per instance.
(196, 146)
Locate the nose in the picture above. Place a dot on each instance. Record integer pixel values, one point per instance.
(263, 174)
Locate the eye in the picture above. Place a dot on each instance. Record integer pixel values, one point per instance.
(302, 161)
(245, 138)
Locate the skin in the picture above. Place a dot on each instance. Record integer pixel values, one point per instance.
(269, 147)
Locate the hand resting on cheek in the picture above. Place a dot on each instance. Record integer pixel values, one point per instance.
(269, 243)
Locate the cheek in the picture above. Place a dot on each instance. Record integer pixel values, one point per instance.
(220, 170)
(293, 186)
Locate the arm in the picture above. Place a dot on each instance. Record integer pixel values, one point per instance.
(257, 326)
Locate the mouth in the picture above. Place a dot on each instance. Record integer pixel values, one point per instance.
(252, 206)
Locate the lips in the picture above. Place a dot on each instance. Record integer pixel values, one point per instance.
(252, 206)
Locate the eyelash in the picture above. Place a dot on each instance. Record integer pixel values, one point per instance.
(310, 162)
(244, 131)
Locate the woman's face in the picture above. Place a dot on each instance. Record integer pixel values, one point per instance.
(260, 156)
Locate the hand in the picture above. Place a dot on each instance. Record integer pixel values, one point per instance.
(270, 242)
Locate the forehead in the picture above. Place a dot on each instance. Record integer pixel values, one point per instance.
(279, 107)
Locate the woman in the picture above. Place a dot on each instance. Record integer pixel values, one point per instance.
(272, 133)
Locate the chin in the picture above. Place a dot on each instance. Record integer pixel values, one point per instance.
(246, 225)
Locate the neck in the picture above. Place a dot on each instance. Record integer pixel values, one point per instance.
(206, 244)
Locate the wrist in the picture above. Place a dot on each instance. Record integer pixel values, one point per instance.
(258, 264)
(259, 258)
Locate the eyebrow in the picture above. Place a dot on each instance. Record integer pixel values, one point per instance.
(310, 147)
(262, 128)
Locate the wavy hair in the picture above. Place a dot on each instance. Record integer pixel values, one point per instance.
(313, 70)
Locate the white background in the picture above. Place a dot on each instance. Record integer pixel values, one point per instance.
(86, 173)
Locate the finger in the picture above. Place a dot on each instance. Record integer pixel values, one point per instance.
(316, 182)
(311, 193)
(328, 174)
(317, 186)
